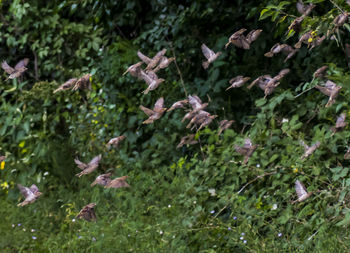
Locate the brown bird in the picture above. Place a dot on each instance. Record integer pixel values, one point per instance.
(320, 72)
(238, 81)
(151, 79)
(303, 39)
(296, 24)
(134, 69)
(156, 113)
(290, 52)
(102, 179)
(301, 192)
(178, 104)
(274, 82)
(238, 39)
(118, 183)
(304, 9)
(340, 124)
(316, 41)
(253, 35)
(247, 150)
(67, 85)
(309, 150)
(30, 194)
(187, 140)
(341, 19)
(83, 83)
(88, 212)
(277, 48)
(115, 141)
(151, 62)
(197, 107)
(224, 124)
(88, 168)
(207, 121)
(330, 89)
(164, 63)
(261, 81)
(198, 118)
(19, 69)
(210, 55)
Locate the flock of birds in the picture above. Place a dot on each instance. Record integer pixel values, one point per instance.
(196, 115)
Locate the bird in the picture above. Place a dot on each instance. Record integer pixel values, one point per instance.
(289, 51)
(134, 69)
(102, 179)
(303, 39)
(31, 194)
(187, 140)
(239, 40)
(156, 113)
(261, 81)
(320, 72)
(238, 81)
(309, 149)
(67, 85)
(340, 123)
(83, 83)
(178, 104)
(17, 71)
(118, 183)
(316, 41)
(301, 192)
(2, 158)
(207, 121)
(197, 107)
(88, 168)
(198, 118)
(224, 124)
(151, 62)
(330, 89)
(274, 82)
(247, 150)
(341, 19)
(210, 55)
(151, 79)
(277, 48)
(164, 63)
(88, 212)
(253, 35)
(304, 9)
(115, 141)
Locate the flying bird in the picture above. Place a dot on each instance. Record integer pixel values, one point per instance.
(238, 81)
(301, 192)
(31, 194)
(83, 83)
(187, 140)
(17, 71)
(118, 183)
(341, 19)
(340, 124)
(67, 85)
(88, 212)
(210, 55)
(156, 113)
(330, 89)
(151, 62)
(241, 41)
(253, 35)
(115, 141)
(303, 39)
(102, 179)
(247, 150)
(88, 168)
(134, 69)
(309, 149)
(224, 124)
(178, 104)
(151, 79)
(320, 72)
(164, 63)
(304, 9)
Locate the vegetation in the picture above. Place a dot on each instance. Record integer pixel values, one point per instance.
(198, 198)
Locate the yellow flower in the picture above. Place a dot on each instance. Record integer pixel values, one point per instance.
(310, 40)
(295, 170)
(2, 165)
(4, 185)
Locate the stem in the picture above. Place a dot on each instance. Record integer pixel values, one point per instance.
(178, 70)
(336, 6)
(253, 180)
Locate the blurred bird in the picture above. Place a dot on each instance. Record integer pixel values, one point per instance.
(290, 52)
(301, 192)
(115, 141)
(156, 113)
(164, 63)
(187, 140)
(238, 39)
(341, 19)
(207, 121)
(102, 179)
(320, 72)
(277, 48)
(118, 183)
(67, 85)
(198, 118)
(340, 124)
(151, 79)
(304, 9)
(247, 149)
(134, 69)
(88, 168)
(178, 104)
(197, 107)
(296, 24)
(238, 81)
(309, 150)
(224, 124)
(303, 39)
(83, 83)
(253, 35)
(316, 42)
(19, 69)
(151, 62)
(210, 55)
(30, 194)
(274, 82)
(261, 81)
(88, 212)
(330, 89)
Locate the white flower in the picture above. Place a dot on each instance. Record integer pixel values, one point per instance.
(32, 230)
(241, 238)
(285, 120)
(173, 236)
(161, 232)
(169, 206)
(245, 241)
(258, 165)
(274, 207)
(46, 173)
(194, 202)
(212, 192)
(13, 225)
(73, 220)
(24, 229)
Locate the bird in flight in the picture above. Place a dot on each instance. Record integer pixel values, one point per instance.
(88, 168)
(88, 212)
(17, 71)
(31, 194)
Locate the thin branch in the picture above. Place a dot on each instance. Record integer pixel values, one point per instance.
(36, 66)
(253, 180)
(336, 6)
(178, 70)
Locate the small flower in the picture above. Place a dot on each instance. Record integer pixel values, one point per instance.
(46, 173)
(235, 218)
(13, 225)
(280, 234)
(258, 165)
(169, 206)
(19, 224)
(73, 220)
(213, 211)
(194, 202)
(229, 228)
(274, 207)
(79, 237)
(161, 232)
(295, 170)
(173, 236)
(285, 120)
(241, 238)
(128, 235)
(2, 165)
(245, 241)
(24, 229)
(32, 230)
(93, 239)
(243, 234)
(34, 237)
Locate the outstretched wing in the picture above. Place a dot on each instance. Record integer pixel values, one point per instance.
(34, 188)
(207, 52)
(80, 164)
(7, 68)
(22, 63)
(159, 104)
(143, 57)
(300, 189)
(24, 190)
(149, 112)
(95, 161)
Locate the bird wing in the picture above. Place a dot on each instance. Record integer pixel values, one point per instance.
(324, 90)
(340, 121)
(300, 189)
(146, 77)
(7, 68)
(207, 52)
(143, 57)
(149, 112)
(95, 161)
(118, 183)
(302, 143)
(33, 188)
(195, 102)
(24, 190)
(247, 143)
(22, 63)
(159, 104)
(80, 164)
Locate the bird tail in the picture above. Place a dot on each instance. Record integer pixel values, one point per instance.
(269, 54)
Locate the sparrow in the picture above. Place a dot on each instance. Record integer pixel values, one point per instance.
(151, 63)
(156, 113)
(164, 63)
(118, 183)
(341, 19)
(340, 123)
(330, 89)
(274, 82)
(115, 141)
(88, 212)
(210, 55)
(83, 83)
(301, 192)
(238, 81)
(102, 179)
(303, 39)
(67, 85)
(151, 79)
(178, 104)
(320, 72)
(277, 48)
(88, 168)
(247, 149)
(224, 124)
(207, 121)
(316, 41)
(290, 52)
(304, 9)
(239, 40)
(261, 81)
(134, 69)
(19, 69)
(253, 35)
(30, 194)
(296, 24)
(309, 150)
(198, 118)
(187, 140)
